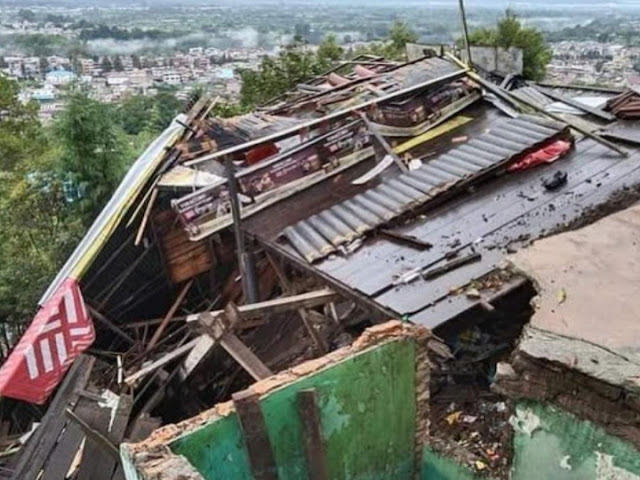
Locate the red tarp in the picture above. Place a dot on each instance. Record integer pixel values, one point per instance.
(60, 332)
(547, 154)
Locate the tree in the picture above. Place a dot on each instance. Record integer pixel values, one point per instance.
(292, 65)
(134, 112)
(19, 126)
(329, 51)
(106, 65)
(117, 64)
(508, 33)
(399, 35)
(168, 106)
(135, 62)
(93, 157)
(26, 15)
(44, 64)
(34, 247)
(37, 229)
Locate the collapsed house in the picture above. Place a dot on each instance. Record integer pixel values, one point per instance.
(238, 289)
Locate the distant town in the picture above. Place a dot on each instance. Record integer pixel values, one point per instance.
(110, 79)
(49, 52)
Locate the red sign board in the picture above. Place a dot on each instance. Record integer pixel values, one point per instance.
(60, 331)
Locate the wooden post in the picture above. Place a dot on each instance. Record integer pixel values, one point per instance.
(232, 344)
(254, 430)
(111, 326)
(145, 217)
(165, 321)
(312, 434)
(289, 289)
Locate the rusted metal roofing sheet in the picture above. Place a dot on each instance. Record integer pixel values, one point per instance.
(338, 227)
(532, 95)
(498, 217)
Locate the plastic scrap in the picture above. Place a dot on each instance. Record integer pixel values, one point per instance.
(547, 154)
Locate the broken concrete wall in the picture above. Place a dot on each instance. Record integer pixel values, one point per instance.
(367, 403)
(551, 443)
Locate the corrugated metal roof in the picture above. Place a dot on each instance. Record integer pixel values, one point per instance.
(532, 95)
(337, 227)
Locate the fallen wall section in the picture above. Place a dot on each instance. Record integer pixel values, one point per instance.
(367, 402)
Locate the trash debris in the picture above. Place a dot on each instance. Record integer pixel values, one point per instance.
(547, 154)
(453, 417)
(556, 181)
(562, 296)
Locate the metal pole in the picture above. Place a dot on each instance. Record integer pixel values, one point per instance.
(245, 259)
(463, 16)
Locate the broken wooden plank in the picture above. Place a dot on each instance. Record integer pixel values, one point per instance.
(408, 240)
(169, 357)
(201, 349)
(145, 217)
(289, 289)
(452, 265)
(572, 102)
(244, 356)
(113, 287)
(101, 454)
(315, 335)
(279, 305)
(101, 416)
(39, 446)
(221, 333)
(254, 430)
(165, 321)
(312, 435)
(111, 326)
(66, 449)
(383, 143)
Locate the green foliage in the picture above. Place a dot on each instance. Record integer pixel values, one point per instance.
(394, 47)
(19, 126)
(106, 65)
(227, 109)
(37, 227)
(54, 181)
(294, 64)
(38, 232)
(399, 35)
(117, 64)
(40, 44)
(26, 15)
(152, 114)
(510, 32)
(93, 152)
(135, 61)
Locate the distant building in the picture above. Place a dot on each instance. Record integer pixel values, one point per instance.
(172, 78)
(59, 78)
(117, 78)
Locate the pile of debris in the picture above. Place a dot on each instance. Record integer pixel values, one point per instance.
(626, 105)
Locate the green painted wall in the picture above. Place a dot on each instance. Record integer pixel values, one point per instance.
(552, 444)
(437, 467)
(367, 405)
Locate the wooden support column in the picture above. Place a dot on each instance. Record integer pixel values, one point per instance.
(289, 289)
(254, 430)
(312, 435)
(231, 343)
